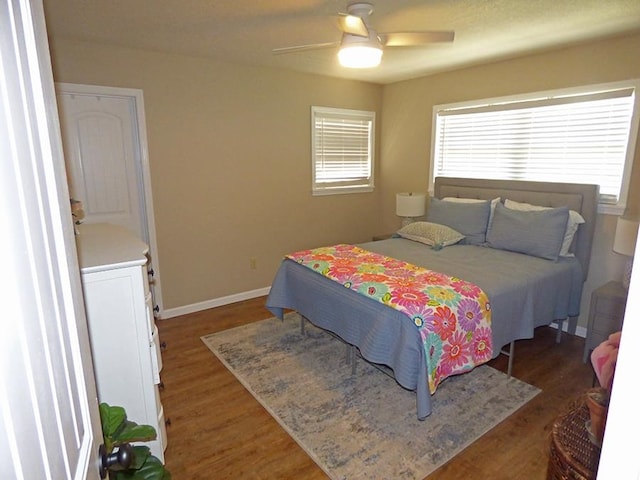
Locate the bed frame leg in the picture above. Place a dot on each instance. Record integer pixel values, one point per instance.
(351, 357)
(510, 355)
(352, 350)
(559, 332)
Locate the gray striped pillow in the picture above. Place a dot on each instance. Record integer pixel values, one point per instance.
(536, 233)
(470, 219)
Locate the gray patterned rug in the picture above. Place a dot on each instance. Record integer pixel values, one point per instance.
(361, 426)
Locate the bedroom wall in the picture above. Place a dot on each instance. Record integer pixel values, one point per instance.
(406, 133)
(229, 152)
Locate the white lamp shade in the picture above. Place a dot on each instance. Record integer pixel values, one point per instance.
(360, 57)
(411, 204)
(360, 52)
(624, 241)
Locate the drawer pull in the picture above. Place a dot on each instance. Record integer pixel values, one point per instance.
(163, 346)
(156, 308)
(167, 422)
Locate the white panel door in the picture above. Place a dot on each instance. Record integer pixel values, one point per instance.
(101, 144)
(49, 421)
(105, 145)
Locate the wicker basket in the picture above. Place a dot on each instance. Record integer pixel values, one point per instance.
(572, 455)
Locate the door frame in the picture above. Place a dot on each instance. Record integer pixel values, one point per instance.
(142, 167)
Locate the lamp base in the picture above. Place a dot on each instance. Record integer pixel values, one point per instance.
(406, 221)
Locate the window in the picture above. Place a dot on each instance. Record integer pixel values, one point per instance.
(342, 150)
(584, 135)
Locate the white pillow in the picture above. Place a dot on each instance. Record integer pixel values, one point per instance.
(575, 220)
(433, 234)
(494, 202)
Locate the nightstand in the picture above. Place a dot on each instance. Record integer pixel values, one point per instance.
(605, 315)
(382, 237)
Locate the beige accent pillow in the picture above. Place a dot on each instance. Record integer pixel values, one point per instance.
(433, 234)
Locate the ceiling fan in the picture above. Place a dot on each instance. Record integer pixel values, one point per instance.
(361, 45)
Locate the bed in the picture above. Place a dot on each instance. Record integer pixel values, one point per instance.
(527, 287)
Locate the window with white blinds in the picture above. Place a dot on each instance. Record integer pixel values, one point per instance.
(576, 136)
(342, 150)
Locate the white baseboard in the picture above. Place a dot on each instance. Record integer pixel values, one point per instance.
(580, 331)
(216, 302)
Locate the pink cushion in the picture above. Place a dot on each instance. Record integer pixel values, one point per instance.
(603, 359)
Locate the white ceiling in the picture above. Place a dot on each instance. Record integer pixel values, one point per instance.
(245, 31)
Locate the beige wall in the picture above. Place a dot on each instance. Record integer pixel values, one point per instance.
(407, 123)
(230, 154)
(229, 151)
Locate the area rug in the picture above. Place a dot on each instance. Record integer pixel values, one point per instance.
(362, 425)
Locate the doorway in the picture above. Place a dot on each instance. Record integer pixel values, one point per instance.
(106, 156)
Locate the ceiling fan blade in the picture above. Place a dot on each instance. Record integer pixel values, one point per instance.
(303, 48)
(352, 25)
(413, 39)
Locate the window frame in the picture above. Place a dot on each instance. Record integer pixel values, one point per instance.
(634, 84)
(342, 186)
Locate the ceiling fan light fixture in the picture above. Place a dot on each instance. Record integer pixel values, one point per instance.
(361, 46)
(358, 52)
(359, 56)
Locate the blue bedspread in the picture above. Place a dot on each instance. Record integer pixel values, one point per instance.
(525, 292)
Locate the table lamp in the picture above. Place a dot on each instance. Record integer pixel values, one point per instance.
(410, 205)
(624, 243)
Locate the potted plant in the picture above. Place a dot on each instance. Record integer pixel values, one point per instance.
(603, 359)
(129, 462)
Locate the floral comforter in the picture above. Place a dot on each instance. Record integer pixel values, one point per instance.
(453, 317)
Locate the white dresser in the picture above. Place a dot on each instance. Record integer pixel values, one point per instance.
(122, 329)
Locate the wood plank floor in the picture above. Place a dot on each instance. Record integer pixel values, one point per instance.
(219, 431)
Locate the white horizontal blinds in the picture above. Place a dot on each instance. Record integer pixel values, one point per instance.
(578, 139)
(342, 147)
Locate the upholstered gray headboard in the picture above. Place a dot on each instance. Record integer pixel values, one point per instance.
(581, 198)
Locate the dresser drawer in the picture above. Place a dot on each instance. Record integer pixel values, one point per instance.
(595, 339)
(610, 307)
(156, 356)
(606, 324)
(606, 314)
(151, 321)
(145, 276)
(161, 431)
(162, 434)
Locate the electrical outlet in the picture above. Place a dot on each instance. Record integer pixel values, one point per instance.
(253, 263)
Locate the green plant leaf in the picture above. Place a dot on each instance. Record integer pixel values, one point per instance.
(132, 432)
(151, 470)
(111, 417)
(117, 430)
(140, 455)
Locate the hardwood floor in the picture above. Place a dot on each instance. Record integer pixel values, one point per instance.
(219, 431)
